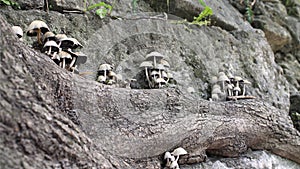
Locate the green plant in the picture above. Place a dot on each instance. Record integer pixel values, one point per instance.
(249, 12)
(291, 6)
(203, 18)
(134, 5)
(103, 8)
(10, 3)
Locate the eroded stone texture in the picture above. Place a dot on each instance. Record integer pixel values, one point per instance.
(194, 55)
(123, 128)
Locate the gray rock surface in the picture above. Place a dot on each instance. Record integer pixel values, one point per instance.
(116, 121)
(194, 55)
(251, 160)
(276, 35)
(79, 123)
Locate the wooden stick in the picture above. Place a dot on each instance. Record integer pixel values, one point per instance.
(240, 97)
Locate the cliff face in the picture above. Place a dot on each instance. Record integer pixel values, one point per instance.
(65, 120)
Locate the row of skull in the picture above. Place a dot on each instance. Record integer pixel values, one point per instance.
(173, 157)
(224, 86)
(156, 70)
(106, 75)
(59, 47)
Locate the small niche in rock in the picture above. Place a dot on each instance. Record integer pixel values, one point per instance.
(59, 47)
(154, 74)
(106, 75)
(228, 87)
(295, 110)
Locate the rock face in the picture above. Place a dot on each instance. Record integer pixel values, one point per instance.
(65, 120)
(281, 22)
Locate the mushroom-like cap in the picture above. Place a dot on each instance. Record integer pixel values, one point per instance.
(48, 36)
(245, 81)
(81, 58)
(105, 66)
(101, 79)
(213, 79)
(60, 36)
(237, 78)
(179, 151)
(52, 44)
(216, 91)
(221, 74)
(70, 43)
(167, 155)
(223, 78)
(230, 76)
(170, 75)
(165, 63)
(156, 54)
(76, 54)
(18, 31)
(160, 80)
(37, 25)
(154, 73)
(63, 54)
(148, 64)
(152, 55)
(215, 97)
(216, 86)
(112, 74)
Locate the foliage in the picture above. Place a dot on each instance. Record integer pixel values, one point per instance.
(10, 3)
(134, 5)
(249, 12)
(289, 3)
(203, 18)
(102, 9)
(296, 119)
(291, 7)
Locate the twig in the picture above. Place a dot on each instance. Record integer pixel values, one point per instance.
(46, 5)
(240, 97)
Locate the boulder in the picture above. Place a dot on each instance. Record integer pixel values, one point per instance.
(276, 35)
(51, 118)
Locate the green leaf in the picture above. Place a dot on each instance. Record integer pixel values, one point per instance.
(205, 13)
(101, 12)
(100, 4)
(134, 5)
(6, 2)
(249, 14)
